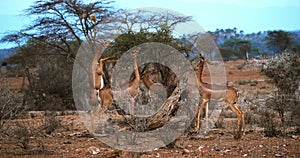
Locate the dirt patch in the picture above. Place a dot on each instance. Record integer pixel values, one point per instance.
(71, 139)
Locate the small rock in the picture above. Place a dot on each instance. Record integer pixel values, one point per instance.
(261, 146)
(227, 150)
(67, 142)
(185, 151)
(245, 155)
(295, 137)
(93, 150)
(74, 134)
(48, 135)
(201, 147)
(216, 149)
(279, 154)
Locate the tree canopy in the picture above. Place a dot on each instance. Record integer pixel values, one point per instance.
(236, 47)
(279, 39)
(59, 24)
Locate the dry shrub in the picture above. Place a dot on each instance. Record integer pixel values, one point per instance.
(51, 123)
(50, 86)
(253, 83)
(228, 113)
(242, 82)
(22, 134)
(284, 71)
(240, 67)
(269, 124)
(10, 104)
(250, 118)
(235, 130)
(220, 122)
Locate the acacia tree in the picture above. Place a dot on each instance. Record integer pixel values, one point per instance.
(59, 23)
(140, 26)
(137, 29)
(47, 47)
(150, 20)
(280, 39)
(143, 26)
(238, 47)
(245, 48)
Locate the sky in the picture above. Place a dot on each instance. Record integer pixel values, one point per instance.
(251, 16)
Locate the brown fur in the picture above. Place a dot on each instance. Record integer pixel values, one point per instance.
(106, 94)
(216, 92)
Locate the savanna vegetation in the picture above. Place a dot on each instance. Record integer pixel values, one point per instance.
(48, 47)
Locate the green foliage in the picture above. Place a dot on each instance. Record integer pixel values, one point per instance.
(236, 48)
(296, 49)
(280, 39)
(162, 35)
(227, 54)
(49, 74)
(130, 39)
(234, 42)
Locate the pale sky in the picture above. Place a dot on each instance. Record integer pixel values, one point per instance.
(247, 15)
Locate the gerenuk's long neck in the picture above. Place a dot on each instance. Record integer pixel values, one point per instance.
(200, 71)
(147, 82)
(97, 69)
(98, 75)
(94, 68)
(136, 71)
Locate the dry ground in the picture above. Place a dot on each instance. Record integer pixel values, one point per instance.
(71, 139)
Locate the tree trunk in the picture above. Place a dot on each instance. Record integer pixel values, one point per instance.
(163, 116)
